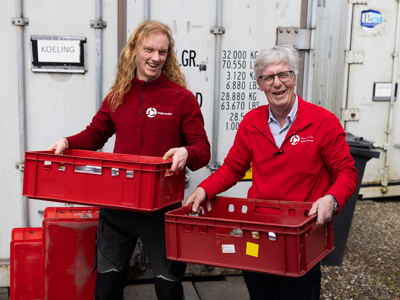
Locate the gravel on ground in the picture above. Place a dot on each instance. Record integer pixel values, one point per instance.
(371, 263)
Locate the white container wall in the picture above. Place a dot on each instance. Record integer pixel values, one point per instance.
(249, 26)
(342, 62)
(378, 66)
(57, 104)
(354, 69)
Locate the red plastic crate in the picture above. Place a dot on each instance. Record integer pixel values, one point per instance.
(111, 180)
(233, 233)
(26, 233)
(25, 263)
(68, 258)
(71, 212)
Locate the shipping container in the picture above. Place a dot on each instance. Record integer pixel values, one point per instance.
(349, 65)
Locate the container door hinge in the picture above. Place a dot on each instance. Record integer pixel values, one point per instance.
(351, 114)
(354, 57)
(384, 146)
(365, 2)
(301, 39)
(217, 30)
(98, 24)
(19, 166)
(19, 21)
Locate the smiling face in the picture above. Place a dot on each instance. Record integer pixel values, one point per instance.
(280, 95)
(152, 56)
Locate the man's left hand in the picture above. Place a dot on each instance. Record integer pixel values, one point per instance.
(324, 207)
(179, 158)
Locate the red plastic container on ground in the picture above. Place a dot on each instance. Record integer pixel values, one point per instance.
(112, 180)
(69, 253)
(71, 212)
(25, 263)
(275, 237)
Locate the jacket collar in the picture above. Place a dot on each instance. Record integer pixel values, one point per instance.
(150, 85)
(302, 120)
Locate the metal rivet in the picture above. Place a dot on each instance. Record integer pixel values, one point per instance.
(280, 29)
(13, 21)
(288, 30)
(296, 30)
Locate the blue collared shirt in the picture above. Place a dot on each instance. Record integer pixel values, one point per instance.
(278, 132)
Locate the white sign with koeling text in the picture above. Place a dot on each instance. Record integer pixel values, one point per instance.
(57, 51)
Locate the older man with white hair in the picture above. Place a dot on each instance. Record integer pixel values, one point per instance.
(296, 150)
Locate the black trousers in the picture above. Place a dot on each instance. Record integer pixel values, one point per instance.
(273, 287)
(117, 234)
(110, 286)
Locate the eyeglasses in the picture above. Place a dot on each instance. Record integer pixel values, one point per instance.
(269, 78)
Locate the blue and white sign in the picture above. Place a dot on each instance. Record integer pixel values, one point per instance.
(370, 19)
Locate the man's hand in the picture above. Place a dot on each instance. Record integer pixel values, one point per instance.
(59, 146)
(324, 207)
(179, 158)
(196, 198)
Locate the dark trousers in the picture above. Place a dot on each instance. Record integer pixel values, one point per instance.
(117, 235)
(273, 287)
(110, 286)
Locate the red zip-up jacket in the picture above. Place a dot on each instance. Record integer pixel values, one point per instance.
(154, 117)
(313, 154)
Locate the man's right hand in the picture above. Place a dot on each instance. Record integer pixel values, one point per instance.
(196, 198)
(59, 146)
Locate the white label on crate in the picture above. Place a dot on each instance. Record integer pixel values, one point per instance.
(209, 206)
(228, 248)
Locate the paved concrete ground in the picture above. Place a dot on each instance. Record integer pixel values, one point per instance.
(229, 288)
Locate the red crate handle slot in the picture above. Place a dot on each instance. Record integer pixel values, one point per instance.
(167, 173)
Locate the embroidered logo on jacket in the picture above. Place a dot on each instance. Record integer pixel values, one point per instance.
(309, 138)
(152, 112)
(294, 140)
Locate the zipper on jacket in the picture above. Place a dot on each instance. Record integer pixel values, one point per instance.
(141, 122)
(141, 110)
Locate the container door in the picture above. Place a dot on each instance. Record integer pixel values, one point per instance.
(369, 85)
(58, 101)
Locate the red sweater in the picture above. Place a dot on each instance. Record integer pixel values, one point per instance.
(155, 117)
(314, 154)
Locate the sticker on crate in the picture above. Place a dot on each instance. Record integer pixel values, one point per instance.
(252, 249)
(228, 248)
(209, 206)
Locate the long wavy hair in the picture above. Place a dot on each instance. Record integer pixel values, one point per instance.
(127, 61)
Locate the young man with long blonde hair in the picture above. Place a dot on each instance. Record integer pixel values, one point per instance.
(153, 114)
